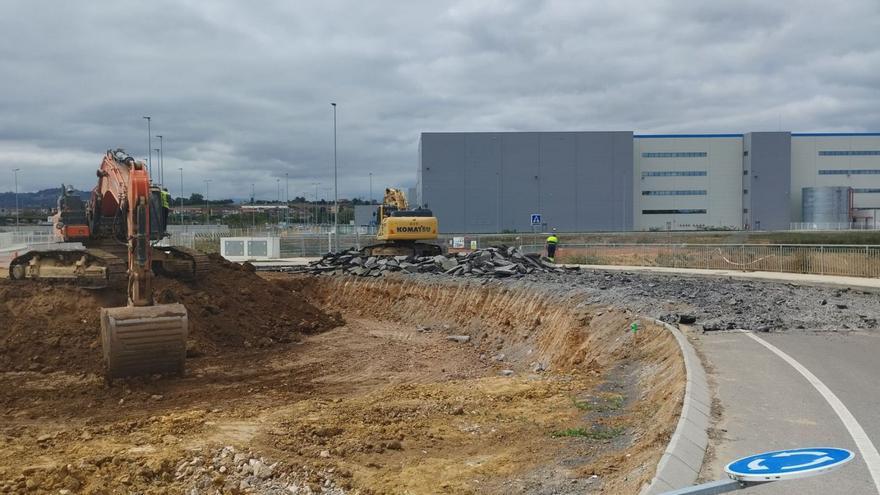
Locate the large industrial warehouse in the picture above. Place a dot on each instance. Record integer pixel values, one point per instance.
(615, 181)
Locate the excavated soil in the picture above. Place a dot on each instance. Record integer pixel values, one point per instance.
(441, 387)
(55, 327)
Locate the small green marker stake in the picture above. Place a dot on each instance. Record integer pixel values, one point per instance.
(635, 330)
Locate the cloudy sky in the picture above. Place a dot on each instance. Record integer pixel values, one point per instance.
(242, 90)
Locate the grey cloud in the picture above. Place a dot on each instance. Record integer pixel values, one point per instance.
(241, 90)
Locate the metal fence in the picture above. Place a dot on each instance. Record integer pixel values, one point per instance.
(853, 261)
(868, 224)
(307, 244)
(16, 240)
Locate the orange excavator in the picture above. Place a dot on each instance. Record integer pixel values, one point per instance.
(119, 227)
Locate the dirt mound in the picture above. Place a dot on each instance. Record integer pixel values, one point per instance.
(49, 327)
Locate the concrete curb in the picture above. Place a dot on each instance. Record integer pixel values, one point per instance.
(680, 464)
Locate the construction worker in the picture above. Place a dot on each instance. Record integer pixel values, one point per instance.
(552, 241)
(166, 207)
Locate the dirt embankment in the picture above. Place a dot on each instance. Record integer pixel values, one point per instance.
(610, 395)
(540, 393)
(51, 327)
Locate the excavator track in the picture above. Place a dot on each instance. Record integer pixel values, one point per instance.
(402, 248)
(183, 262)
(86, 268)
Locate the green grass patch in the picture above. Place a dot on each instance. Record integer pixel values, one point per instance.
(613, 401)
(606, 402)
(582, 404)
(601, 433)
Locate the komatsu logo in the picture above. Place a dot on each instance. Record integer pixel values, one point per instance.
(414, 229)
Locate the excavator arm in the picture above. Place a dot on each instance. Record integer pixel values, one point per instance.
(142, 338)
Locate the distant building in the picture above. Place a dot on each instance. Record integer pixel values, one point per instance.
(611, 181)
(364, 215)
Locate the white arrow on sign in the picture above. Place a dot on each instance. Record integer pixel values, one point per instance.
(757, 465)
(824, 458)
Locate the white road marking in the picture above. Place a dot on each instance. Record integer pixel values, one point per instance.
(863, 442)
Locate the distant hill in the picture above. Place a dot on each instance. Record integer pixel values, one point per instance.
(47, 198)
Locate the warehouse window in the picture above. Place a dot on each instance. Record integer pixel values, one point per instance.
(866, 190)
(850, 153)
(673, 212)
(685, 192)
(675, 154)
(861, 171)
(677, 173)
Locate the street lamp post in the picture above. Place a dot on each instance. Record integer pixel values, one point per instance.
(371, 187)
(315, 206)
(287, 198)
(149, 146)
(208, 200)
(159, 166)
(253, 210)
(161, 161)
(15, 174)
(335, 188)
(181, 194)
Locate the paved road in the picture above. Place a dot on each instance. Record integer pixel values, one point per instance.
(768, 405)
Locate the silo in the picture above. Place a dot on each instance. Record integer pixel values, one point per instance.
(830, 204)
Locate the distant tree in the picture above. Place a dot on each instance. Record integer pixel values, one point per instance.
(196, 198)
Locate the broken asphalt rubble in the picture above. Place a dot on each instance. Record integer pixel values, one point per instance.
(498, 262)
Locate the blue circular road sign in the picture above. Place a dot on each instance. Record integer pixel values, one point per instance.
(788, 464)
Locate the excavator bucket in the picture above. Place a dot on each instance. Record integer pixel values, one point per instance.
(144, 340)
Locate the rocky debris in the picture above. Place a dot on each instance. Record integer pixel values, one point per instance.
(705, 303)
(687, 319)
(229, 470)
(497, 262)
(461, 339)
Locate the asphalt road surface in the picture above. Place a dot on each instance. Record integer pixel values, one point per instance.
(767, 404)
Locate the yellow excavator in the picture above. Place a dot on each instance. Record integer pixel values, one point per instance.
(401, 228)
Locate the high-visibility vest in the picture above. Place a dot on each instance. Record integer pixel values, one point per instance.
(165, 196)
(552, 240)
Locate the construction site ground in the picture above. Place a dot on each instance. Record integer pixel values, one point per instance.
(300, 384)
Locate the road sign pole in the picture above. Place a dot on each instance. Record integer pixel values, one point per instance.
(714, 487)
(770, 467)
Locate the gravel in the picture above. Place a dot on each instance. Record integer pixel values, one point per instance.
(713, 303)
(229, 470)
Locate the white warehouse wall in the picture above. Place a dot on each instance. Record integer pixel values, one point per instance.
(806, 163)
(722, 182)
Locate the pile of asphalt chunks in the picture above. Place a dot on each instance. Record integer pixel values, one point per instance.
(497, 262)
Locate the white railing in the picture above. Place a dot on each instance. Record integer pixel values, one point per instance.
(870, 225)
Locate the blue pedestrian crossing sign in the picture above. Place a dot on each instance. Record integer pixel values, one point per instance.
(536, 219)
(788, 464)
